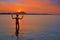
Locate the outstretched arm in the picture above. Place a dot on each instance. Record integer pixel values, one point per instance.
(21, 18)
(12, 17)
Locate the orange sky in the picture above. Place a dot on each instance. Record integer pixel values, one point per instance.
(29, 6)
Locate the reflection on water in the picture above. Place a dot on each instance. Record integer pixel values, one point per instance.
(32, 27)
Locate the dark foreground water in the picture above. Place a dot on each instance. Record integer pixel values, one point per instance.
(32, 27)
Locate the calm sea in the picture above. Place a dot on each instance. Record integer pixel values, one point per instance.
(32, 27)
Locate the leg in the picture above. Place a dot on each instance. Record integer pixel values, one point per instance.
(16, 30)
(18, 27)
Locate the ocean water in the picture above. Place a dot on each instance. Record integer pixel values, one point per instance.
(32, 27)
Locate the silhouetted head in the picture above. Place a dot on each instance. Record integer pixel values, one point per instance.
(17, 15)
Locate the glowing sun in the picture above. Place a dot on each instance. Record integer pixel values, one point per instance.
(19, 10)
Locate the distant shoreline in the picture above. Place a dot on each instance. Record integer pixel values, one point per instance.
(23, 13)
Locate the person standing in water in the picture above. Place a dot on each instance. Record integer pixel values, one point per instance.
(17, 23)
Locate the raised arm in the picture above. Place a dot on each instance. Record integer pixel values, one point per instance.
(12, 17)
(21, 17)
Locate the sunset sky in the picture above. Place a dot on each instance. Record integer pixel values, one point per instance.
(49, 6)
